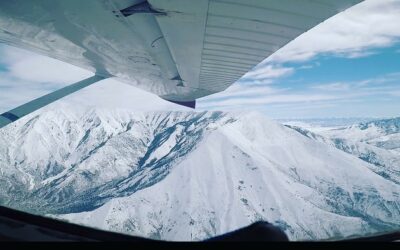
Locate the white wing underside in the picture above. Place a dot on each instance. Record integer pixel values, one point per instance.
(184, 50)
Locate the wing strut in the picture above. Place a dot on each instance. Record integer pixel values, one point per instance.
(27, 108)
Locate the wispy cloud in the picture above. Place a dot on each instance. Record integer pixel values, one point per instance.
(268, 72)
(28, 76)
(241, 90)
(238, 102)
(337, 86)
(318, 95)
(25, 65)
(374, 83)
(123, 96)
(352, 33)
(307, 66)
(388, 78)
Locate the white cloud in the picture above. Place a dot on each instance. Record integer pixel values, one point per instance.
(111, 93)
(29, 76)
(267, 72)
(392, 77)
(307, 66)
(13, 96)
(25, 65)
(370, 24)
(334, 93)
(263, 100)
(356, 54)
(108, 93)
(372, 84)
(337, 86)
(241, 90)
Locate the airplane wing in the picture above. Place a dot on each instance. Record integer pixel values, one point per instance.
(180, 50)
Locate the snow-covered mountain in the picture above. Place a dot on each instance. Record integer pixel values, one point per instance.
(189, 176)
(376, 142)
(60, 160)
(384, 133)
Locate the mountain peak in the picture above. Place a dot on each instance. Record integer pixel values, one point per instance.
(188, 175)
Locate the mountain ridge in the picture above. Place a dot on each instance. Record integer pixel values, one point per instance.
(189, 176)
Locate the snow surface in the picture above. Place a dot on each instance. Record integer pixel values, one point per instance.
(376, 142)
(190, 176)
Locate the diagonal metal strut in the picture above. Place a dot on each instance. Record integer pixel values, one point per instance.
(27, 108)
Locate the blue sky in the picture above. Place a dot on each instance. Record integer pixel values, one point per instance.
(348, 66)
(325, 86)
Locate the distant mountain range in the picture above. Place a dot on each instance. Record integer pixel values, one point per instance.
(189, 176)
(329, 121)
(376, 142)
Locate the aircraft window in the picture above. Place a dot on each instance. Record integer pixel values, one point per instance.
(307, 138)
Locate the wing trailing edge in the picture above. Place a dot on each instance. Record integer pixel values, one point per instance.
(189, 104)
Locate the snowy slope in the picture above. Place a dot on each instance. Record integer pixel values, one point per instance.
(381, 133)
(249, 169)
(69, 161)
(376, 142)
